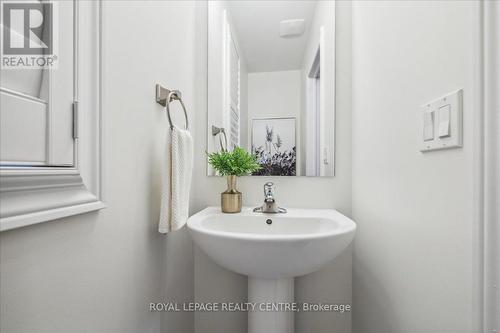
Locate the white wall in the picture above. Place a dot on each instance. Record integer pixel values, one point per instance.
(98, 272)
(274, 94)
(416, 241)
(217, 284)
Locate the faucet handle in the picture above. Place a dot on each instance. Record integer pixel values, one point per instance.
(270, 205)
(269, 190)
(268, 186)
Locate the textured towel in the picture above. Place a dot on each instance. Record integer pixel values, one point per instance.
(176, 180)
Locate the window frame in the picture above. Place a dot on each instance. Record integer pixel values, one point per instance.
(31, 195)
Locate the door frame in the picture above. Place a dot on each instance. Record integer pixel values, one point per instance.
(488, 201)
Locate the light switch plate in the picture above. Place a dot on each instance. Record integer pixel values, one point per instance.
(447, 125)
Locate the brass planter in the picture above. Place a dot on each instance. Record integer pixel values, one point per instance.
(231, 198)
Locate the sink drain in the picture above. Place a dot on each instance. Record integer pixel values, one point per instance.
(269, 221)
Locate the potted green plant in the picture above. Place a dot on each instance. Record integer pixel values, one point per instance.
(232, 164)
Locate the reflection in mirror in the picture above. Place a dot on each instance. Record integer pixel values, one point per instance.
(271, 83)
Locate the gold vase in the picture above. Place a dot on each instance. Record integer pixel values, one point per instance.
(231, 198)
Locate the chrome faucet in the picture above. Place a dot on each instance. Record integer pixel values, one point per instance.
(270, 205)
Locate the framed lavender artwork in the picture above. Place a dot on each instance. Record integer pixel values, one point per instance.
(274, 143)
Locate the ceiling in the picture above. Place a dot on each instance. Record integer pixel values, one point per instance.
(257, 25)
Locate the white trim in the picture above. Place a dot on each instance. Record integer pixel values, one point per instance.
(50, 214)
(333, 150)
(322, 99)
(23, 96)
(313, 106)
(34, 195)
(477, 239)
(226, 70)
(490, 173)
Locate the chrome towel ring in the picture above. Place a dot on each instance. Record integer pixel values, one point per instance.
(171, 97)
(220, 130)
(165, 96)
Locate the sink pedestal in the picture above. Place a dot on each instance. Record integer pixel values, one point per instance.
(266, 293)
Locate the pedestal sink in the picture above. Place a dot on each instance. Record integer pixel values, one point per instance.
(271, 249)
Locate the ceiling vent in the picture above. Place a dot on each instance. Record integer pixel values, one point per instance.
(292, 28)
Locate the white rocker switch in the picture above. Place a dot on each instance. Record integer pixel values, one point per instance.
(428, 126)
(444, 121)
(441, 122)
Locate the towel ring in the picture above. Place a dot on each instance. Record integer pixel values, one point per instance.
(173, 95)
(220, 130)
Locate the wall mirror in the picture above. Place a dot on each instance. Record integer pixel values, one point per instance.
(271, 83)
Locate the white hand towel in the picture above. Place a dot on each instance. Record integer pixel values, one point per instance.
(176, 180)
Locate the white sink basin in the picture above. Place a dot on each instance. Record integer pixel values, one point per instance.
(271, 249)
(296, 243)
